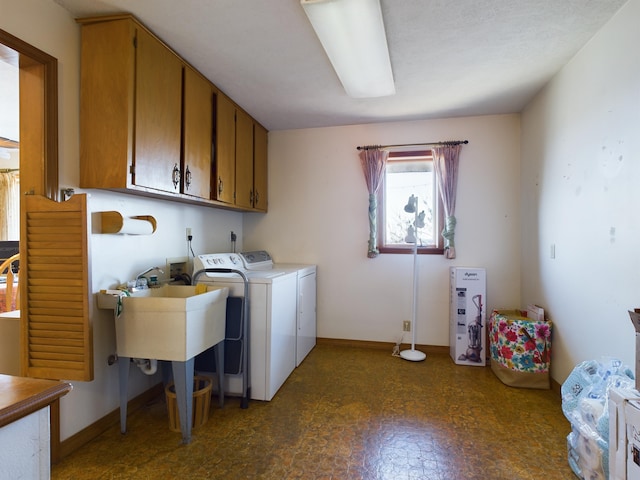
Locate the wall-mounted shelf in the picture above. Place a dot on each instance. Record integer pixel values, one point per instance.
(113, 222)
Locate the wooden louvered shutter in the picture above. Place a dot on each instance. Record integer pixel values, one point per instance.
(56, 332)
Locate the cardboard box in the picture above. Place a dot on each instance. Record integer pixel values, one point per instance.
(624, 435)
(635, 319)
(624, 422)
(467, 315)
(535, 312)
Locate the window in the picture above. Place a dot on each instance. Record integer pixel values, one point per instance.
(409, 173)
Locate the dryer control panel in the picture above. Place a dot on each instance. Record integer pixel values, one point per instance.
(257, 260)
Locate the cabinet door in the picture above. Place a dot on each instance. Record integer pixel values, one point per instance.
(244, 160)
(158, 115)
(106, 104)
(198, 123)
(259, 168)
(225, 155)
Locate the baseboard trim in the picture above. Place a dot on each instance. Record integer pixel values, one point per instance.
(556, 387)
(340, 342)
(87, 434)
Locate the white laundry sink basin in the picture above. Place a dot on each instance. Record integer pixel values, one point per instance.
(171, 323)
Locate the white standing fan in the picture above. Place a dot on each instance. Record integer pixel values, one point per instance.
(414, 355)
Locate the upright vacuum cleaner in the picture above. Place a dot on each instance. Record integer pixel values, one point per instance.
(474, 351)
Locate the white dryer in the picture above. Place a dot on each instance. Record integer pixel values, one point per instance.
(272, 319)
(306, 307)
(305, 298)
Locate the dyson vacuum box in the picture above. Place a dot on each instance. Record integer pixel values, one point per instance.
(467, 325)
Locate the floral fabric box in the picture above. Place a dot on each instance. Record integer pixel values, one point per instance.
(520, 349)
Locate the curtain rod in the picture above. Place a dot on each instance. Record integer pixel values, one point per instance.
(452, 142)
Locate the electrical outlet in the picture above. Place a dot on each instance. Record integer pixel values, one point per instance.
(189, 236)
(406, 326)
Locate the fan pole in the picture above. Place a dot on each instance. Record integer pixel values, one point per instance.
(414, 355)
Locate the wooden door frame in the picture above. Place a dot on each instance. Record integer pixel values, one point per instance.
(38, 119)
(38, 145)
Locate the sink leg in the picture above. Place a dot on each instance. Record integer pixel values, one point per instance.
(123, 371)
(183, 380)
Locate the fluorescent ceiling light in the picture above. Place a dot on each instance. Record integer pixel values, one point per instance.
(352, 33)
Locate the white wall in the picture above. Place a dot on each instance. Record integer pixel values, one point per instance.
(580, 177)
(318, 213)
(114, 259)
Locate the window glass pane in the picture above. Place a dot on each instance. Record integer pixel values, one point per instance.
(403, 179)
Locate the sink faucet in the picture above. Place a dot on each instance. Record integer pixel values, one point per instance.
(140, 276)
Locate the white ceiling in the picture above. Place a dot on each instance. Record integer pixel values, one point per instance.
(449, 58)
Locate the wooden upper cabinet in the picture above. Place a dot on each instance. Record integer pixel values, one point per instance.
(158, 115)
(259, 168)
(251, 164)
(241, 158)
(107, 92)
(130, 108)
(244, 160)
(151, 124)
(198, 134)
(225, 155)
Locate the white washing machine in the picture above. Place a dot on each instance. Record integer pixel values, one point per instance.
(272, 318)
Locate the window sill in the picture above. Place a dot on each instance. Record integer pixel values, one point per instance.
(409, 251)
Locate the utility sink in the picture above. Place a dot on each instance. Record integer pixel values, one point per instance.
(172, 322)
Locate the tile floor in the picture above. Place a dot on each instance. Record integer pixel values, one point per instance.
(349, 413)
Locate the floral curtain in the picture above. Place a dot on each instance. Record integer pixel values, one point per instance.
(373, 161)
(445, 164)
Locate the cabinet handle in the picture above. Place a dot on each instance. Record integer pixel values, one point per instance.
(251, 197)
(175, 176)
(257, 197)
(187, 178)
(220, 186)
